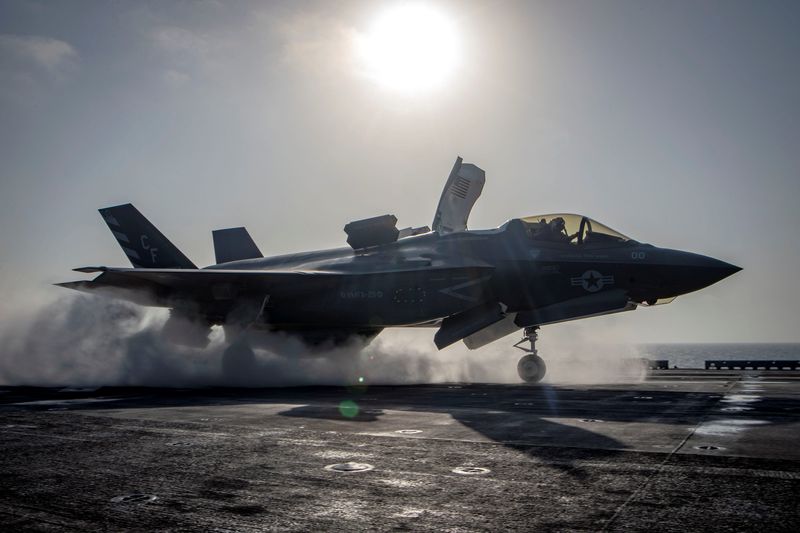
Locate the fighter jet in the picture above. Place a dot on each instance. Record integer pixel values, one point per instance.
(475, 286)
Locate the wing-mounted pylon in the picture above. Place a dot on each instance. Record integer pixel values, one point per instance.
(463, 187)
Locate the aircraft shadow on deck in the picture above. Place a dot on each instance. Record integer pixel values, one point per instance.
(517, 416)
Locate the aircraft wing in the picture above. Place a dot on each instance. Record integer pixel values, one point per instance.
(151, 282)
(146, 286)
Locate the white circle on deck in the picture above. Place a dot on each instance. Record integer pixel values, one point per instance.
(408, 431)
(349, 467)
(470, 470)
(136, 497)
(709, 447)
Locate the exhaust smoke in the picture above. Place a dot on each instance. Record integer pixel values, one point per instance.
(83, 340)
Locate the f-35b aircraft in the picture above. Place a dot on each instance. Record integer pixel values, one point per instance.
(475, 286)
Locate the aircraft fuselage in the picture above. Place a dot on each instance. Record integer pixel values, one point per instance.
(422, 279)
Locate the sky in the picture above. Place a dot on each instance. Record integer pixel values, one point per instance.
(676, 123)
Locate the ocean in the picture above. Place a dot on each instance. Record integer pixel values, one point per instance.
(695, 355)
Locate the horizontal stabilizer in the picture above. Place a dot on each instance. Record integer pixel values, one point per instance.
(461, 325)
(234, 244)
(145, 246)
(110, 285)
(89, 270)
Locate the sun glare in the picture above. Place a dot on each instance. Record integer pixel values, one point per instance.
(409, 48)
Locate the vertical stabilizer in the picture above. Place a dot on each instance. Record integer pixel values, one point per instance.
(460, 193)
(145, 246)
(233, 244)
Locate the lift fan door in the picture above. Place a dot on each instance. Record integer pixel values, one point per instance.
(460, 193)
(373, 231)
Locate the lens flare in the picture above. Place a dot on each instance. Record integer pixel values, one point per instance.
(348, 409)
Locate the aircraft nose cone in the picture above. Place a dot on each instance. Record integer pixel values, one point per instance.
(726, 269)
(716, 270)
(695, 272)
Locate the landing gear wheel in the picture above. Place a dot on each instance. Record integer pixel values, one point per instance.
(531, 368)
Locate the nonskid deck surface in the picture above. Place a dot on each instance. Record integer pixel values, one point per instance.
(684, 450)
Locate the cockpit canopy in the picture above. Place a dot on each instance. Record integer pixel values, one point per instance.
(572, 229)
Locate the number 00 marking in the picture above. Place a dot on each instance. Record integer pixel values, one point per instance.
(637, 255)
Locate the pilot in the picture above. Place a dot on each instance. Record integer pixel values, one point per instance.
(558, 230)
(539, 230)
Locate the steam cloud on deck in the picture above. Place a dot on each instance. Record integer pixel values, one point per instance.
(93, 341)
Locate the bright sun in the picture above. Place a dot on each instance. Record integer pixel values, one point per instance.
(409, 48)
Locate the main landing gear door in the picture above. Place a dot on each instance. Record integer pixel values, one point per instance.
(489, 334)
(460, 193)
(461, 325)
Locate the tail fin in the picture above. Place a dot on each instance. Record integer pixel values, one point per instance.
(145, 246)
(233, 244)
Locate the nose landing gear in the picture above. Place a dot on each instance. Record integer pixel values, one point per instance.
(531, 367)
